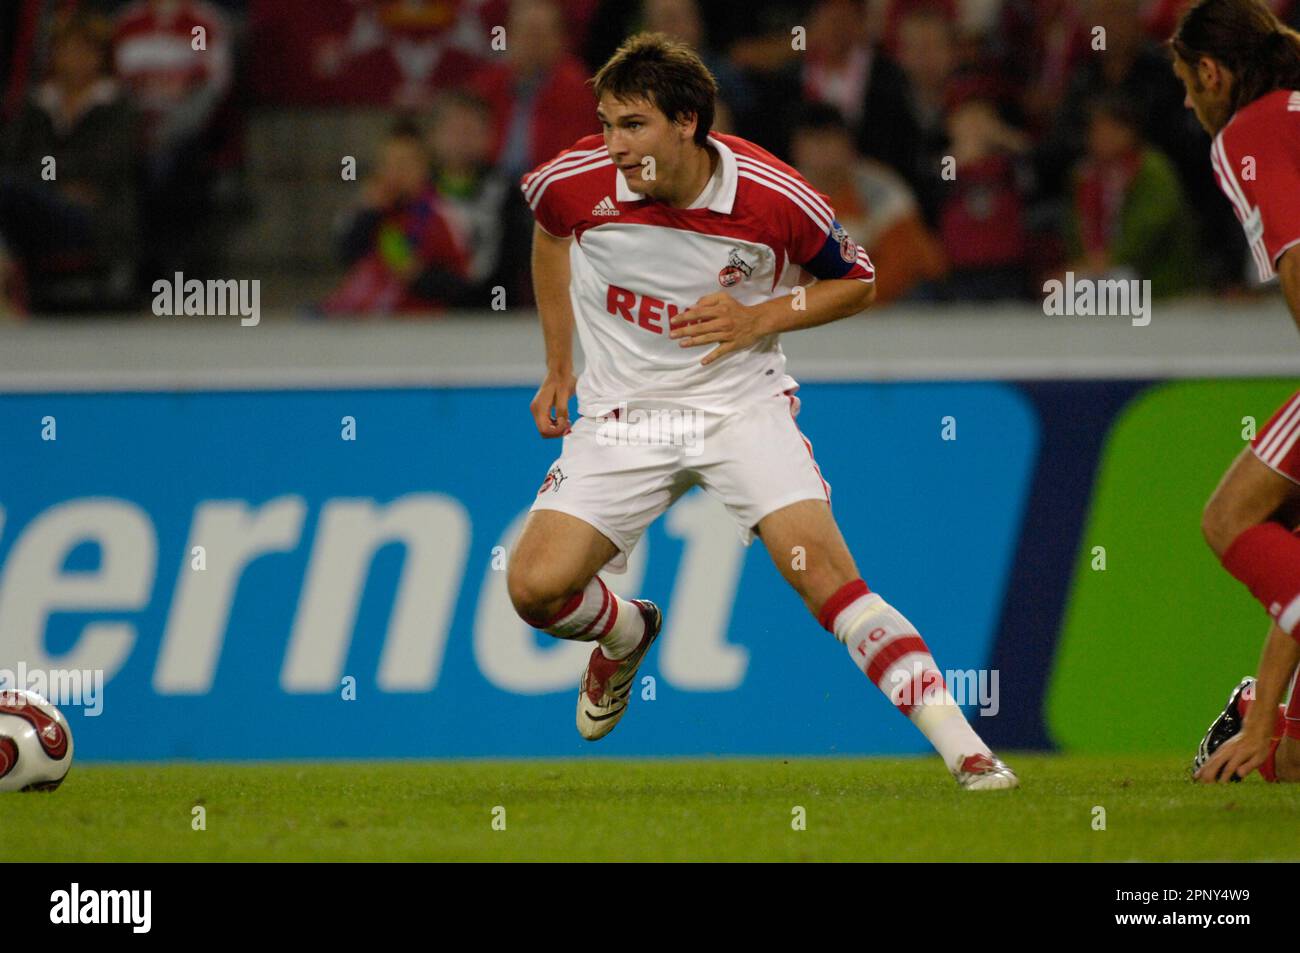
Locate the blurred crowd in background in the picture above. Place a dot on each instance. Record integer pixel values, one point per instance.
(158, 115)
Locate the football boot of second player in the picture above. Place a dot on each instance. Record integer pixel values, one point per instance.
(1226, 725)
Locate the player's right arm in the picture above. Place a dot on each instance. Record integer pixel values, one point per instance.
(551, 278)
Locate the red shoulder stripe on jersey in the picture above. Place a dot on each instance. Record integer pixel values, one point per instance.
(592, 163)
(818, 220)
(817, 208)
(798, 185)
(1219, 153)
(563, 161)
(1241, 204)
(564, 158)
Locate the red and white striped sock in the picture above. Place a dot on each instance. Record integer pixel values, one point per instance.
(890, 652)
(597, 615)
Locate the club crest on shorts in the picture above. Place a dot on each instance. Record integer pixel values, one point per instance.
(736, 270)
(848, 247)
(554, 477)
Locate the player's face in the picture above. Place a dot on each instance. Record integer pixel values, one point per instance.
(643, 143)
(1209, 89)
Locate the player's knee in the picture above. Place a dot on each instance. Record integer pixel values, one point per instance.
(527, 594)
(534, 596)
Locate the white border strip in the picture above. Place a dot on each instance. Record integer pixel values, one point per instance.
(1207, 340)
(361, 378)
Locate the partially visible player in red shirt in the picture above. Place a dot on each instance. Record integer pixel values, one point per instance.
(1241, 68)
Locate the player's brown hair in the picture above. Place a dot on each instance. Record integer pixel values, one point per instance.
(1262, 52)
(667, 73)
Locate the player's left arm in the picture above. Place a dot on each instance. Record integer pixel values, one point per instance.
(820, 302)
(720, 319)
(809, 236)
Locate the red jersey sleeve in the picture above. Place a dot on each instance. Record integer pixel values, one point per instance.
(554, 206)
(1257, 162)
(1277, 190)
(814, 239)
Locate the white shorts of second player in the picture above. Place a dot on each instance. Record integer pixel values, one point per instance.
(621, 471)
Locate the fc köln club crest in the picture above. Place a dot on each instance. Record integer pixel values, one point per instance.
(554, 477)
(736, 270)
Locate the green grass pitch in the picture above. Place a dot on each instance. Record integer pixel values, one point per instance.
(875, 809)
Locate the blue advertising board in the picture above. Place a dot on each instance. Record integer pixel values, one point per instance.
(304, 574)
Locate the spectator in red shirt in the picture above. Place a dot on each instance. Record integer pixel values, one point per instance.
(173, 58)
(982, 220)
(541, 103)
(1037, 47)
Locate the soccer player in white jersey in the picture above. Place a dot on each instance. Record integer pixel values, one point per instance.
(679, 256)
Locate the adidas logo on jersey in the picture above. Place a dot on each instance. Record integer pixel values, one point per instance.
(606, 207)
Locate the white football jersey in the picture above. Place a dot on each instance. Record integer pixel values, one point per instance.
(637, 262)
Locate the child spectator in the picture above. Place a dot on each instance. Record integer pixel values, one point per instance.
(1129, 215)
(982, 218)
(401, 244)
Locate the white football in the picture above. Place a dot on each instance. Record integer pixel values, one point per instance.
(35, 743)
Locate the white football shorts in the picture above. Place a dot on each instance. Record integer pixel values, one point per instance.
(621, 471)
